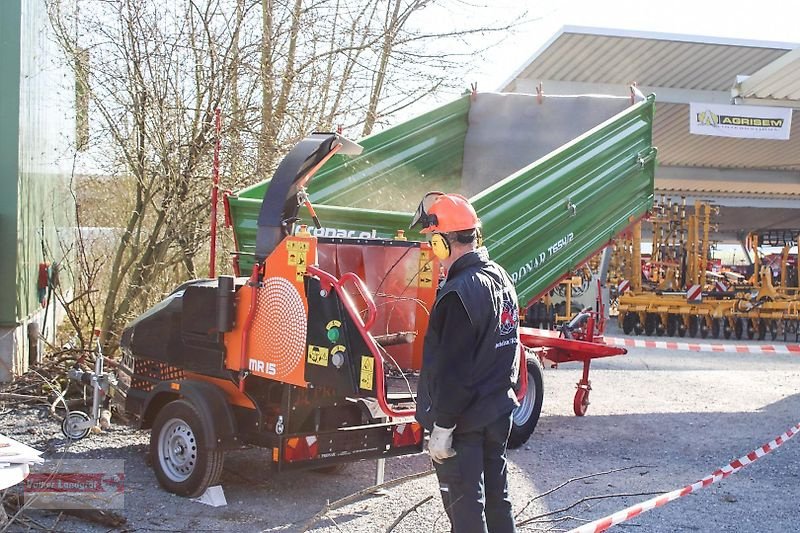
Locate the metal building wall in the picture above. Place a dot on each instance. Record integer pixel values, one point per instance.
(37, 130)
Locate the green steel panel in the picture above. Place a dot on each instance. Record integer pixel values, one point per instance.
(397, 165)
(36, 140)
(10, 11)
(529, 225)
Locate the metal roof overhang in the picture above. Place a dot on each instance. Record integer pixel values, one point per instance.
(756, 182)
(775, 84)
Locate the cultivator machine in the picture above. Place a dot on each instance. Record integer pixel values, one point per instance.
(680, 294)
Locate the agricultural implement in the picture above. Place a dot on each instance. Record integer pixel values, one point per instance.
(312, 353)
(684, 296)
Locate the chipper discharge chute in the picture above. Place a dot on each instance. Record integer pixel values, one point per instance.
(309, 353)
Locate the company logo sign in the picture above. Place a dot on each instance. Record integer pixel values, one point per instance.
(738, 121)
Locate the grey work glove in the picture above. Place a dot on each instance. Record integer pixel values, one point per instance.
(440, 445)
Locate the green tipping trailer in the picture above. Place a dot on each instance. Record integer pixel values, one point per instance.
(553, 181)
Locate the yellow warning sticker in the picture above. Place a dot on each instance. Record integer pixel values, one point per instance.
(317, 355)
(425, 270)
(297, 246)
(297, 251)
(367, 371)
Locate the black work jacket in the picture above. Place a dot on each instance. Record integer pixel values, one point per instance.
(470, 356)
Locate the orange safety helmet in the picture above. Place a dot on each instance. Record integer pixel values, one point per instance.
(445, 213)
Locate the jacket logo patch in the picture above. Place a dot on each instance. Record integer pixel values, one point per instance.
(509, 317)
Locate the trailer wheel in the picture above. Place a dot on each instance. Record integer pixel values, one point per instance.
(681, 327)
(726, 328)
(526, 416)
(738, 328)
(182, 461)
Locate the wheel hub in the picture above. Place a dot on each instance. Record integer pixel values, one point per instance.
(178, 447)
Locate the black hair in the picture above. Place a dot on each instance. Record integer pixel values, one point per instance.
(466, 236)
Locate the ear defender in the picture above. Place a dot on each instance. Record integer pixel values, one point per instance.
(440, 246)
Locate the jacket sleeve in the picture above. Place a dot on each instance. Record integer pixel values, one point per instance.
(455, 360)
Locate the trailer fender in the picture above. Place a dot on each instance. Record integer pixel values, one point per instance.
(219, 424)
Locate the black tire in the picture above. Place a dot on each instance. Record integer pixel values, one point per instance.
(702, 327)
(762, 329)
(191, 467)
(773, 329)
(694, 326)
(716, 327)
(629, 321)
(738, 328)
(526, 416)
(650, 323)
(726, 328)
(751, 330)
(673, 323)
(681, 327)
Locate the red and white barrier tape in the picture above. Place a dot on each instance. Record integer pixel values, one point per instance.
(731, 468)
(704, 346)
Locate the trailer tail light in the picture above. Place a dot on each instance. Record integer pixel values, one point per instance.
(300, 449)
(407, 434)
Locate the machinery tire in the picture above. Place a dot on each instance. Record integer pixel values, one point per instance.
(694, 326)
(650, 323)
(716, 327)
(638, 327)
(702, 327)
(182, 461)
(762, 329)
(580, 403)
(681, 327)
(751, 330)
(629, 323)
(738, 328)
(726, 328)
(672, 325)
(773, 329)
(526, 416)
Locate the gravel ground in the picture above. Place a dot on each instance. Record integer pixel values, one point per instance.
(670, 417)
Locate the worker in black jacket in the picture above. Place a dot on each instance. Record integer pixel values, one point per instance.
(470, 364)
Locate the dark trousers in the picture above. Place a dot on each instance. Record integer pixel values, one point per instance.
(474, 483)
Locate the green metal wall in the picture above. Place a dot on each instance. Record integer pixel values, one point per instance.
(10, 11)
(37, 126)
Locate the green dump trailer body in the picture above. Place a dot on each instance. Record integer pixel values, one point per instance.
(540, 221)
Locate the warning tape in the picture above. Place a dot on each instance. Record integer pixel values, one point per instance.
(703, 347)
(731, 468)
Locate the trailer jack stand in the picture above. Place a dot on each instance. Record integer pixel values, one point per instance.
(581, 403)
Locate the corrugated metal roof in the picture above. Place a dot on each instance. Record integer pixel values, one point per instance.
(651, 59)
(748, 189)
(780, 80)
(677, 147)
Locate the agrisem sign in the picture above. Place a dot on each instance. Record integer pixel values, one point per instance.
(740, 121)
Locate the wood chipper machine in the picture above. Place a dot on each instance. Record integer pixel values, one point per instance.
(312, 349)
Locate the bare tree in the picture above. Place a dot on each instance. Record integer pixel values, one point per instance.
(154, 74)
